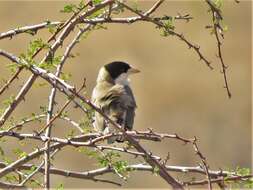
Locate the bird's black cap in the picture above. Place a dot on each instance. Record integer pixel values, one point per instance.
(116, 68)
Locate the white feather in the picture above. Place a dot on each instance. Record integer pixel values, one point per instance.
(123, 79)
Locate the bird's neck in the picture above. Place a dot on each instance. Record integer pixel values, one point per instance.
(123, 80)
(103, 76)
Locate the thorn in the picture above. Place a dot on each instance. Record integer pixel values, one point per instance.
(150, 130)
(36, 133)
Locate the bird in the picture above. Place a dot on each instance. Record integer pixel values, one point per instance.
(114, 96)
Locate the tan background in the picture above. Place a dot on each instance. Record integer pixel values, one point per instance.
(175, 92)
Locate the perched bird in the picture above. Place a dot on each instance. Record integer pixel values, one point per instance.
(114, 96)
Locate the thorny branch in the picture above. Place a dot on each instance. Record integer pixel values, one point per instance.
(204, 162)
(93, 140)
(218, 31)
(70, 91)
(28, 29)
(65, 88)
(68, 27)
(159, 24)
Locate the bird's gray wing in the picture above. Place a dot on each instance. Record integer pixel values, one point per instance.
(105, 96)
(119, 104)
(130, 106)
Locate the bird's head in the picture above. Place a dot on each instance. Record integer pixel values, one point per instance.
(116, 72)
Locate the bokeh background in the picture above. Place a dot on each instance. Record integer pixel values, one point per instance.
(175, 92)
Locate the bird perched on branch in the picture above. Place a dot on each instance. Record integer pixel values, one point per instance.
(114, 96)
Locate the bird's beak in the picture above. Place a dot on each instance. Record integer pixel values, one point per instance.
(133, 70)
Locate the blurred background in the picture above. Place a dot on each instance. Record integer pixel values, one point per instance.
(175, 92)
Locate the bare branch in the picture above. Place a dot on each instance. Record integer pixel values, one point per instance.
(230, 176)
(173, 33)
(28, 29)
(7, 84)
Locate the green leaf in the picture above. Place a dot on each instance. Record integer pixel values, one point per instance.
(12, 67)
(218, 3)
(10, 178)
(60, 187)
(71, 133)
(246, 183)
(88, 152)
(9, 101)
(35, 45)
(31, 32)
(69, 8)
(19, 152)
(1, 151)
(43, 109)
(66, 76)
(168, 27)
(95, 2)
(7, 160)
(120, 166)
(155, 170)
(103, 161)
(81, 5)
(51, 28)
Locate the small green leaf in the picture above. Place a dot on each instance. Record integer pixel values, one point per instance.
(43, 109)
(19, 152)
(218, 3)
(155, 170)
(95, 2)
(9, 101)
(1, 152)
(69, 8)
(66, 76)
(31, 32)
(60, 187)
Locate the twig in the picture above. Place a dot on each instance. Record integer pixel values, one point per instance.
(49, 123)
(140, 167)
(216, 14)
(25, 121)
(68, 27)
(93, 138)
(204, 162)
(7, 84)
(173, 33)
(31, 29)
(37, 169)
(37, 117)
(35, 154)
(70, 91)
(218, 180)
(100, 147)
(52, 100)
